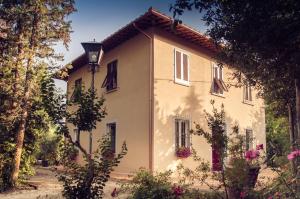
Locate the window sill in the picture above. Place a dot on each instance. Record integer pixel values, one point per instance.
(112, 90)
(248, 102)
(218, 95)
(181, 82)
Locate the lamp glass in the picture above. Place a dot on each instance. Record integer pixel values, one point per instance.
(93, 56)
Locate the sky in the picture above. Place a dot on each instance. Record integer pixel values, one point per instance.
(97, 19)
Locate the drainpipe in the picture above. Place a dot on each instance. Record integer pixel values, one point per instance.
(151, 94)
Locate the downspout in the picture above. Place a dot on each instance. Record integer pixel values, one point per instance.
(151, 94)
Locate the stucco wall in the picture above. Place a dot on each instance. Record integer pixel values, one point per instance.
(128, 106)
(172, 100)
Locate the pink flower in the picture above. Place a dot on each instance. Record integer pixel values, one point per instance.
(270, 197)
(177, 191)
(183, 152)
(251, 154)
(260, 147)
(114, 193)
(293, 154)
(242, 194)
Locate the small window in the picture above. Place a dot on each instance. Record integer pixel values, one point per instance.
(249, 139)
(110, 81)
(182, 133)
(218, 86)
(76, 135)
(247, 93)
(77, 90)
(112, 135)
(181, 67)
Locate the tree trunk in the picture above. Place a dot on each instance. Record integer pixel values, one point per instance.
(25, 102)
(292, 134)
(22, 126)
(19, 147)
(297, 137)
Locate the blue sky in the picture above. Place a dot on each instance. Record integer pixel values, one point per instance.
(97, 19)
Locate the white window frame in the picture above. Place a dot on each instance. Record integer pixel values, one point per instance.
(181, 80)
(187, 132)
(214, 65)
(247, 88)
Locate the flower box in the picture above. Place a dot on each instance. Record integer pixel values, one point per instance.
(183, 152)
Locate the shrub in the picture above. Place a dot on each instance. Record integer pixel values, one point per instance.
(88, 181)
(145, 185)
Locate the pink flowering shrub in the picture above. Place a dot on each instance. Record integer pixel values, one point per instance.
(293, 154)
(260, 147)
(252, 156)
(183, 152)
(178, 191)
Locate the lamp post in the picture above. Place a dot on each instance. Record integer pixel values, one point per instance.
(94, 53)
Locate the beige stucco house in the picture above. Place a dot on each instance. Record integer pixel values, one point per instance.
(157, 79)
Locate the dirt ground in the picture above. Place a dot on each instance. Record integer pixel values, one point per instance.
(47, 187)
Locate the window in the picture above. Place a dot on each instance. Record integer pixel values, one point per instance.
(182, 133)
(181, 67)
(247, 93)
(76, 135)
(112, 133)
(77, 90)
(218, 86)
(249, 139)
(110, 81)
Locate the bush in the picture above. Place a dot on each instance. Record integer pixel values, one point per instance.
(145, 185)
(88, 181)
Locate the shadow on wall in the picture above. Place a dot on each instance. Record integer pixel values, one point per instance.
(258, 126)
(188, 108)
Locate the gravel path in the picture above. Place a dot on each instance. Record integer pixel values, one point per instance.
(47, 187)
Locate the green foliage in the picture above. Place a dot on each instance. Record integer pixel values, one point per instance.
(27, 56)
(50, 147)
(87, 181)
(282, 186)
(88, 112)
(234, 176)
(216, 123)
(75, 176)
(278, 141)
(144, 185)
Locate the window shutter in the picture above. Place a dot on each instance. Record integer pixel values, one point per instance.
(104, 83)
(188, 134)
(176, 134)
(185, 67)
(112, 135)
(220, 72)
(183, 134)
(178, 64)
(115, 73)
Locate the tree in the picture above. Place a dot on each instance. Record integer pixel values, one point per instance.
(261, 40)
(34, 26)
(87, 181)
